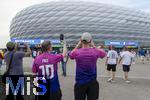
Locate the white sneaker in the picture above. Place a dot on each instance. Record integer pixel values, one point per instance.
(113, 81)
(128, 82)
(109, 80)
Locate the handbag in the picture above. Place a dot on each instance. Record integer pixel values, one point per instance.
(6, 74)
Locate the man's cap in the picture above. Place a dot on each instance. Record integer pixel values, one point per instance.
(86, 37)
(45, 45)
(10, 45)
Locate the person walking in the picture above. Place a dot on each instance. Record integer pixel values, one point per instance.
(134, 56)
(126, 58)
(142, 55)
(111, 63)
(86, 57)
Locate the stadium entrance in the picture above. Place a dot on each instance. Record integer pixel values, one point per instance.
(120, 44)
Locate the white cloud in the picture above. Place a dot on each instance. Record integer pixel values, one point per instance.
(8, 9)
(147, 10)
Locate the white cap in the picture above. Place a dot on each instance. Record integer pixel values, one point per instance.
(86, 37)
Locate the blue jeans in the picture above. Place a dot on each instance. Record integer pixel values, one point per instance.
(63, 67)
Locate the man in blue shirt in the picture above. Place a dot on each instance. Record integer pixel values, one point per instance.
(142, 55)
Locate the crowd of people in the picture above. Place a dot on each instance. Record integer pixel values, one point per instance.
(85, 54)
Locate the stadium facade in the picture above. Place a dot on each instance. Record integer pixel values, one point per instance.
(103, 21)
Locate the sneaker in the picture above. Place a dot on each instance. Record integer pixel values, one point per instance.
(109, 80)
(128, 82)
(113, 81)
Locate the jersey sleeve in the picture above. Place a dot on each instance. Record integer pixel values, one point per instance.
(73, 54)
(58, 57)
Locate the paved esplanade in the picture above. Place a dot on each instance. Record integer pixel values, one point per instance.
(139, 89)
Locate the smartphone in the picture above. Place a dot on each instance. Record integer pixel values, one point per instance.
(61, 37)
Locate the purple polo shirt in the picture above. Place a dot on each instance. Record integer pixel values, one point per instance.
(86, 60)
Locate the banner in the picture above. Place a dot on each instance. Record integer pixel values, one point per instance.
(121, 43)
(34, 41)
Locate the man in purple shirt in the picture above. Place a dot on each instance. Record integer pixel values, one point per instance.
(86, 73)
(45, 65)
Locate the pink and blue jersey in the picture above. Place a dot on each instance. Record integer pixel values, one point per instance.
(86, 60)
(46, 65)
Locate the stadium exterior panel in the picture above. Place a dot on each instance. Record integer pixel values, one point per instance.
(104, 22)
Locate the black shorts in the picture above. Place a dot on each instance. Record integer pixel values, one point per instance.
(89, 90)
(111, 67)
(126, 68)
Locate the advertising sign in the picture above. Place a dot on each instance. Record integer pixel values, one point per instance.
(121, 43)
(34, 41)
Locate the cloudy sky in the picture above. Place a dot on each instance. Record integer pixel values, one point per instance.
(8, 9)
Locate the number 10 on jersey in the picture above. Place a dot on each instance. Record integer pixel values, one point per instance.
(48, 71)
